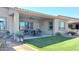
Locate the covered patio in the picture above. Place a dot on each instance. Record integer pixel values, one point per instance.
(27, 23)
(31, 24)
(74, 26)
(35, 24)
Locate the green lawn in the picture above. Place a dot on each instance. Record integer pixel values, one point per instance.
(55, 43)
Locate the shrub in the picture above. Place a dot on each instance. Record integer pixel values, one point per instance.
(19, 34)
(59, 34)
(71, 32)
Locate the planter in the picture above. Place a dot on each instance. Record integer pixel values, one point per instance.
(19, 39)
(2, 43)
(19, 36)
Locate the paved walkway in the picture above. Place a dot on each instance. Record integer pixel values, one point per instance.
(14, 46)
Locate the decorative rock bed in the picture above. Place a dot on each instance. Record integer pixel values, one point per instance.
(71, 36)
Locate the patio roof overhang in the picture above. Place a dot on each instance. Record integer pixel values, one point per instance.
(73, 22)
(34, 14)
(28, 13)
(68, 19)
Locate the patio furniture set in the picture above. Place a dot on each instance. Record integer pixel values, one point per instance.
(19, 36)
(32, 32)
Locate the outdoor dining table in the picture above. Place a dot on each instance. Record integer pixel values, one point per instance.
(32, 32)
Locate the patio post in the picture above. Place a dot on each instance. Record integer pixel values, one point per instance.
(55, 26)
(16, 23)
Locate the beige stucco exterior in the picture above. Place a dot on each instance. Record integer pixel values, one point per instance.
(12, 18)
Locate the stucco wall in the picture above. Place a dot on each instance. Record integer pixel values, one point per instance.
(42, 24)
(4, 14)
(56, 26)
(45, 27)
(10, 24)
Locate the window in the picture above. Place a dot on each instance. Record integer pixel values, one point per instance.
(2, 23)
(22, 25)
(61, 24)
(26, 25)
(50, 25)
(31, 25)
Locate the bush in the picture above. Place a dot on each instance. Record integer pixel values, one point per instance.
(19, 34)
(59, 34)
(71, 32)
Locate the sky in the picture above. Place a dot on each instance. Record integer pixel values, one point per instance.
(65, 11)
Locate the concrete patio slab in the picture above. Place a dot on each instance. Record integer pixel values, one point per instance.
(34, 37)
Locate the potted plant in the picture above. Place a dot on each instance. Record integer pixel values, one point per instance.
(19, 36)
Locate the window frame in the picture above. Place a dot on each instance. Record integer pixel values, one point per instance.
(61, 27)
(20, 27)
(26, 24)
(50, 22)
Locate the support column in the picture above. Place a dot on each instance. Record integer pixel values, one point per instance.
(16, 22)
(55, 26)
(9, 24)
(66, 27)
(74, 25)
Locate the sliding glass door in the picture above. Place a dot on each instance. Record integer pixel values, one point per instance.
(26, 25)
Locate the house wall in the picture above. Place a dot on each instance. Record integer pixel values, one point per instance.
(40, 24)
(56, 26)
(4, 14)
(43, 24)
(12, 22)
(45, 27)
(35, 24)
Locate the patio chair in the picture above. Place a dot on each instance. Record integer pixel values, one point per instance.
(33, 33)
(26, 32)
(38, 32)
